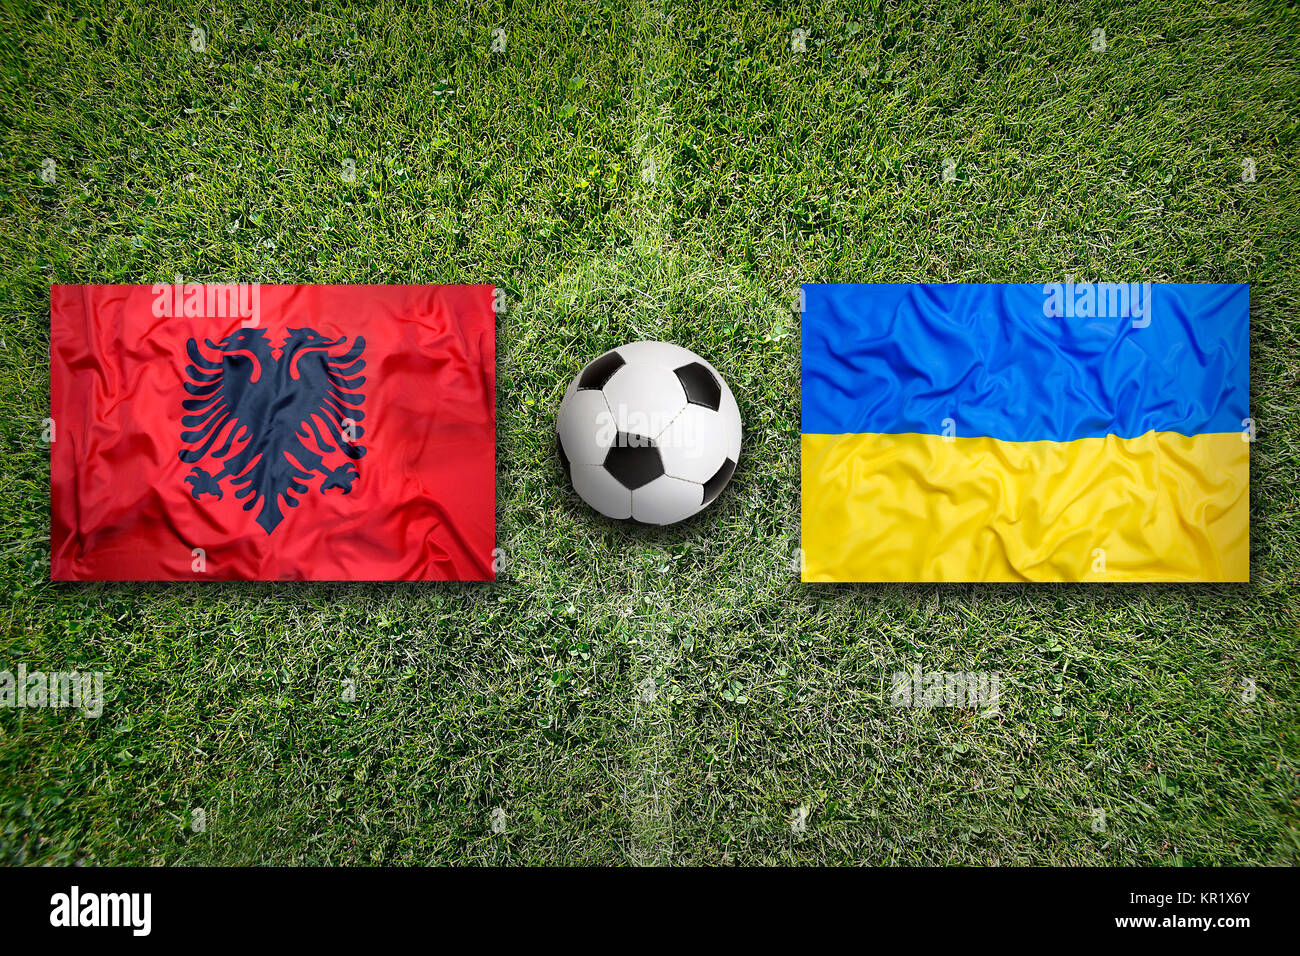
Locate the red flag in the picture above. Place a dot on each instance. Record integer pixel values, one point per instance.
(272, 432)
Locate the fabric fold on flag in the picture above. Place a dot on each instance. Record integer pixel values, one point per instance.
(1077, 432)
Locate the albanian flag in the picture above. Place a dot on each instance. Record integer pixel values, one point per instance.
(271, 432)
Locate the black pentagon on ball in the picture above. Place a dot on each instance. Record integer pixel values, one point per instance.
(713, 487)
(701, 385)
(595, 375)
(634, 461)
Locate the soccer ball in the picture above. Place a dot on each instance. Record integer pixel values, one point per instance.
(650, 432)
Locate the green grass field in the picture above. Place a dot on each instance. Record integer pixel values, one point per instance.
(648, 170)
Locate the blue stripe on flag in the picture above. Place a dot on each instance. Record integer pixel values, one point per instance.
(1025, 362)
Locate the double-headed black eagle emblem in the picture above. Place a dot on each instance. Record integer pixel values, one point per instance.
(270, 419)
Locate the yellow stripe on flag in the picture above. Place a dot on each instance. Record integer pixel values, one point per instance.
(1160, 507)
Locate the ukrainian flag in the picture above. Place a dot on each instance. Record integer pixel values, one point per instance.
(1060, 432)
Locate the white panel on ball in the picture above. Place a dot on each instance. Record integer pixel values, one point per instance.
(602, 491)
(586, 427)
(644, 400)
(666, 500)
(658, 354)
(730, 413)
(694, 446)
